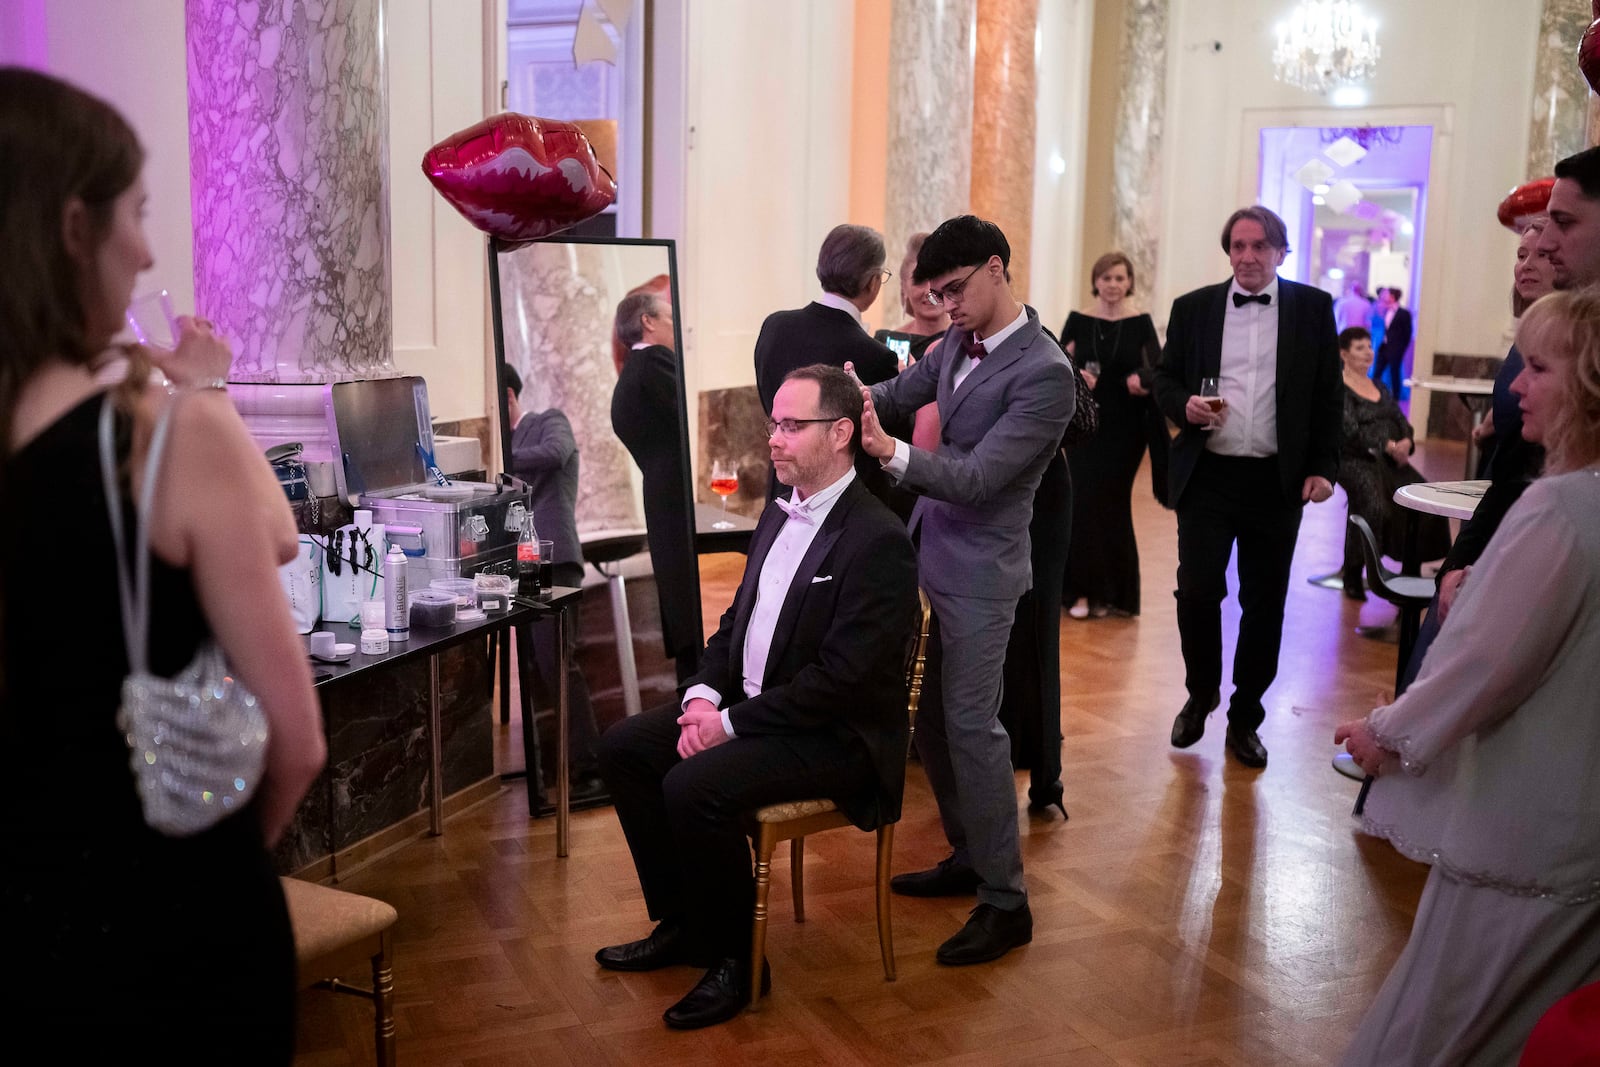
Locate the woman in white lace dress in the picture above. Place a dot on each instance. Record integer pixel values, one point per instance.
(1489, 766)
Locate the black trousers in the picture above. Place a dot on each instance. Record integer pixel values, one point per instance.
(536, 648)
(1389, 368)
(684, 818)
(1234, 500)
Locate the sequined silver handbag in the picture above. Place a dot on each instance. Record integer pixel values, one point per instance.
(197, 740)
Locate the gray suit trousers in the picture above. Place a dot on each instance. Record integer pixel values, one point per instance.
(965, 752)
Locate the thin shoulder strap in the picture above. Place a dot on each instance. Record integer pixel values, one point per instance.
(134, 597)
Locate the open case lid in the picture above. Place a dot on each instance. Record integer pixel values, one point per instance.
(381, 430)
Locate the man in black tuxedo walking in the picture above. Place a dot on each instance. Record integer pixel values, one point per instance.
(1389, 365)
(800, 694)
(829, 329)
(1243, 466)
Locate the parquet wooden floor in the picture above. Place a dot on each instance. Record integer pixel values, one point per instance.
(1190, 912)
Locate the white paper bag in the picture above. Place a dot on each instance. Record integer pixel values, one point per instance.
(302, 584)
(343, 593)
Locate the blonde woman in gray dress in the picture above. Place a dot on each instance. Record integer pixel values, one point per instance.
(1489, 766)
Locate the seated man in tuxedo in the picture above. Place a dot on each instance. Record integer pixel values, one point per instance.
(800, 694)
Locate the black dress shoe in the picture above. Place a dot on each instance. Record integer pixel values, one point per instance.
(948, 879)
(1191, 721)
(1044, 798)
(720, 994)
(1246, 747)
(989, 934)
(668, 945)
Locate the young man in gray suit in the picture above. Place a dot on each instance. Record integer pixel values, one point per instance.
(1005, 396)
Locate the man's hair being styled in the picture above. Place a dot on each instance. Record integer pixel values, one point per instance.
(838, 396)
(964, 241)
(1277, 233)
(1348, 337)
(1583, 168)
(849, 257)
(1566, 324)
(630, 316)
(510, 379)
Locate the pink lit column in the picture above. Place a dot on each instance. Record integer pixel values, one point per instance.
(288, 122)
(1003, 121)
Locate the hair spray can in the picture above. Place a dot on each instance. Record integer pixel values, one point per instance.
(396, 605)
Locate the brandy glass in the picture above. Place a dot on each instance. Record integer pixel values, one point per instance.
(724, 483)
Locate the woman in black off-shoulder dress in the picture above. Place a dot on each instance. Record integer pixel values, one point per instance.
(1103, 560)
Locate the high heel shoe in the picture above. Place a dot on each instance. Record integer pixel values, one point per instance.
(1041, 801)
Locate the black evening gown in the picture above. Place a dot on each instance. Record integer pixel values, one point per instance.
(1369, 478)
(1103, 562)
(122, 938)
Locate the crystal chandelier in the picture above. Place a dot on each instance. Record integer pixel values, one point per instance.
(1325, 43)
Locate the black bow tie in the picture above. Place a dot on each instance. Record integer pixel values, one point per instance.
(973, 347)
(1241, 299)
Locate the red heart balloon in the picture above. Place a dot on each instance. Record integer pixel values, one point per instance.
(1589, 51)
(520, 178)
(1524, 203)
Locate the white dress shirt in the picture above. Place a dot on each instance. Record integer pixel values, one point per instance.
(896, 464)
(772, 588)
(1249, 377)
(834, 300)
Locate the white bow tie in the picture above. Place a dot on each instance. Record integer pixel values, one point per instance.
(796, 512)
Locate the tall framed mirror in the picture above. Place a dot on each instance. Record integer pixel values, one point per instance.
(618, 383)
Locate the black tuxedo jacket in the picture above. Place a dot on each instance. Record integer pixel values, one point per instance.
(1396, 338)
(644, 415)
(1310, 396)
(837, 658)
(817, 333)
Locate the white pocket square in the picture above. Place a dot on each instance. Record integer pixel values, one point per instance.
(824, 578)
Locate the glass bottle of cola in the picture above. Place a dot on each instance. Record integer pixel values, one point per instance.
(528, 559)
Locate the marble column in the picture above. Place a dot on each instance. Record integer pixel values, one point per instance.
(1560, 121)
(930, 118)
(1136, 152)
(288, 144)
(1003, 121)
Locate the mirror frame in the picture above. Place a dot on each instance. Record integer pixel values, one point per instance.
(496, 248)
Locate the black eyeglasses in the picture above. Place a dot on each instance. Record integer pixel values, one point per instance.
(790, 427)
(938, 297)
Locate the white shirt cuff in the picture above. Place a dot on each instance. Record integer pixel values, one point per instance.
(896, 464)
(700, 692)
(727, 724)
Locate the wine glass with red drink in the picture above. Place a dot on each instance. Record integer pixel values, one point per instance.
(724, 483)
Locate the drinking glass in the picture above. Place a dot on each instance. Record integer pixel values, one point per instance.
(151, 319)
(1211, 392)
(724, 483)
(1092, 367)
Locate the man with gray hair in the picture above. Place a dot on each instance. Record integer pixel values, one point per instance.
(829, 329)
(644, 416)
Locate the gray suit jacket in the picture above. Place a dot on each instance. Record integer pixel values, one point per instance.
(996, 436)
(544, 454)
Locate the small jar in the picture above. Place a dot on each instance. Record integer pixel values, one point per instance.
(374, 642)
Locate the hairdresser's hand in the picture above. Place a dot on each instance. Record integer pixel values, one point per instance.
(200, 359)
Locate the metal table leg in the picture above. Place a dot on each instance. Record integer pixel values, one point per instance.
(623, 627)
(563, 783)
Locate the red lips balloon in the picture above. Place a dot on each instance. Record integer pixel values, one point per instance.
(1524, 203)
(1589, 50)
(520, 178)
